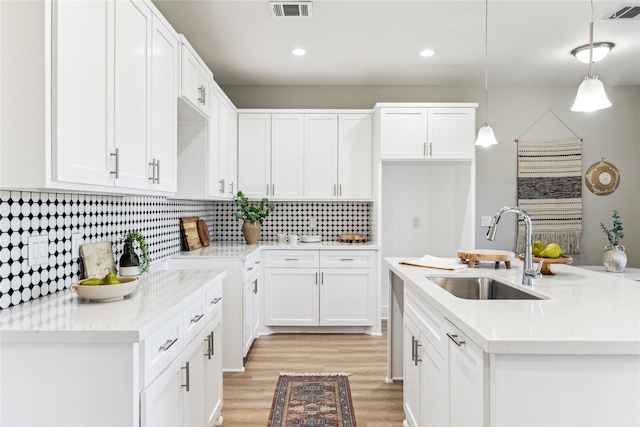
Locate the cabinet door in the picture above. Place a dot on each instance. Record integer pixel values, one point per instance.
(411, 396)
(82, 77)
(254, 155)
(467, 382)
(215, 150)
(354, 156)
(213, 376)
(256, 315)
(190, 84)
(132, 93)
(434, 411)
(228, 149)
(247, 315)
(291, 297)
(347, 297)
(164, 93)
(206, 86)
(320, 156)
(403, 133)
(161, 403)
(451, 133)
(193, 389)
(287, 134)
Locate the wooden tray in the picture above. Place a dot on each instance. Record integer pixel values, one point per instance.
(490, 255)
(546, 265)
(190, 234)
(203, 232)
(352, 238)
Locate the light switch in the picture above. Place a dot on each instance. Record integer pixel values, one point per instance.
(76, 241)
(38, 250)
(485, 221)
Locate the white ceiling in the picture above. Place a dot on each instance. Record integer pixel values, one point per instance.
(364, 42)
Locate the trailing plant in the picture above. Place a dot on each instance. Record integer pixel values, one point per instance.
(615, 234)
(133, 242)
(252, 212)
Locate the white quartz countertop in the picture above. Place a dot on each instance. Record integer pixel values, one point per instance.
(63, 316)
(585, 312)
(238, 250)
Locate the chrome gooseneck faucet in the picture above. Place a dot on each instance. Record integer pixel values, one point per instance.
(529, 274)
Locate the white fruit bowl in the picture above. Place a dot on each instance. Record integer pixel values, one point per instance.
(310, 239)
(106, 292)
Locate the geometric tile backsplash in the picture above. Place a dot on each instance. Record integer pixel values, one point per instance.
(106, 218)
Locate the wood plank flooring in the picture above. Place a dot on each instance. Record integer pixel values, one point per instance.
(248, 395)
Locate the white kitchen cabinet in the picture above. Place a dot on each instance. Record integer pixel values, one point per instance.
(270, 152)
(319, 288)
(444, 371)
(416, 133)
(196, 80)
(94, 127)
(228, 149)
(254, 154)
(337, 153)
(213, 374)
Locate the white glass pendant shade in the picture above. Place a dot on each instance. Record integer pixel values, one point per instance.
(486, 137)
(591, 96)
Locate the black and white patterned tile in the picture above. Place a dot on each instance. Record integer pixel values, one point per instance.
(100, 218)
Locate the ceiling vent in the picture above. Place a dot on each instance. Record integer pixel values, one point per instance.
(626, 11)
(290, 9)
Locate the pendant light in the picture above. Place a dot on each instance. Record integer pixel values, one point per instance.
(591, 95)
(485, 134)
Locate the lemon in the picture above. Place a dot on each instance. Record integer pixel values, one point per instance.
(91, 282)
(111, 279)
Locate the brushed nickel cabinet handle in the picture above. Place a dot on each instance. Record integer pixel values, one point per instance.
(152, 178)
(197, 318)
(316, 278)
(157, 171)
(116, 172)
(454, 338)
(216, 300)
(186, 368)
(340, 188)
(166, 346)
(208, 352)
(221, 186)
(430, 150)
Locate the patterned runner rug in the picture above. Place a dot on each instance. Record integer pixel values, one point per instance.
(312, 400)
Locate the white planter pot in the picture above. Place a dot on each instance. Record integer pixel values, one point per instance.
(614, 258)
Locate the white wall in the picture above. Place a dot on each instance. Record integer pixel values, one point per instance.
(613, 134)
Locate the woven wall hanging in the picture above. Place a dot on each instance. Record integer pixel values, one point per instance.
(602, 178)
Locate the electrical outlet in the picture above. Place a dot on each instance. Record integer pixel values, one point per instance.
(38, 250)
(485, 221)
(76, 241)
(415, 222)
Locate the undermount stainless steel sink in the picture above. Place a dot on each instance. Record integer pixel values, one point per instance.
(480, 288)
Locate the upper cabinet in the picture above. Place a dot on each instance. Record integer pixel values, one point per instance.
(105, 119)
(418, 131)
(311, 156)
(196, 82)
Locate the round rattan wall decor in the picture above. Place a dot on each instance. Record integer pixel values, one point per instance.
(602, 178)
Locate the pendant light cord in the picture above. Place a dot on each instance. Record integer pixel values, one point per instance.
(486, 60)
(591, 43)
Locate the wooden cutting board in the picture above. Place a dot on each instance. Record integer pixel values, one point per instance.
(97, 259)
(190, 234)
(491, 255)
(203, 232)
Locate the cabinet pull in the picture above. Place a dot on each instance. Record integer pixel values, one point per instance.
(231, 188)
(213, 344)
(413, 348)
(208, 352)
(216, 300)
(166, 346)
(152, 178)
(417, 353)
(204, 95)
(340, 190)
(221, 186)
(267, 189)
(316, 278)
(430, 150)
(186, 368)
(322, 278)
(250, 268)
(200, 92)
(347, 259)
(197, 318)
(255, 287)
(291, 259)
(116, 172)
(258, 262)
(157, 171)
(424, 150)
(454, 338)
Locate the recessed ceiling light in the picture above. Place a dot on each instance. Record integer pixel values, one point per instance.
(298, 51)
(600, 50)
(427, 52)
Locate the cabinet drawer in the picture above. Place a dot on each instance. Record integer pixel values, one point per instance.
(161, 347)
(213, 301)
(250, 266)
(193, 319)
(430, 322)
(292, 259)
(347, 259)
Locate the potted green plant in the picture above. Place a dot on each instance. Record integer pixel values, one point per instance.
(614, 258)
(135, 258)
(252, 214)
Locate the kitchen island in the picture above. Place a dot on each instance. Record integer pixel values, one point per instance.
(67, 361)
(569, 358)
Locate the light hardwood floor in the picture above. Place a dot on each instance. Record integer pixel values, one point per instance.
(248, 395)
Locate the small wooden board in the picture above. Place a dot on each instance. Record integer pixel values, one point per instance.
(190, 234)
(352, 238)
(490, 255)
(203, 232)
(546, 265)
(97, 259)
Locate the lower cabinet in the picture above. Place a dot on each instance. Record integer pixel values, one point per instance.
(319, 288)
(444, 371)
